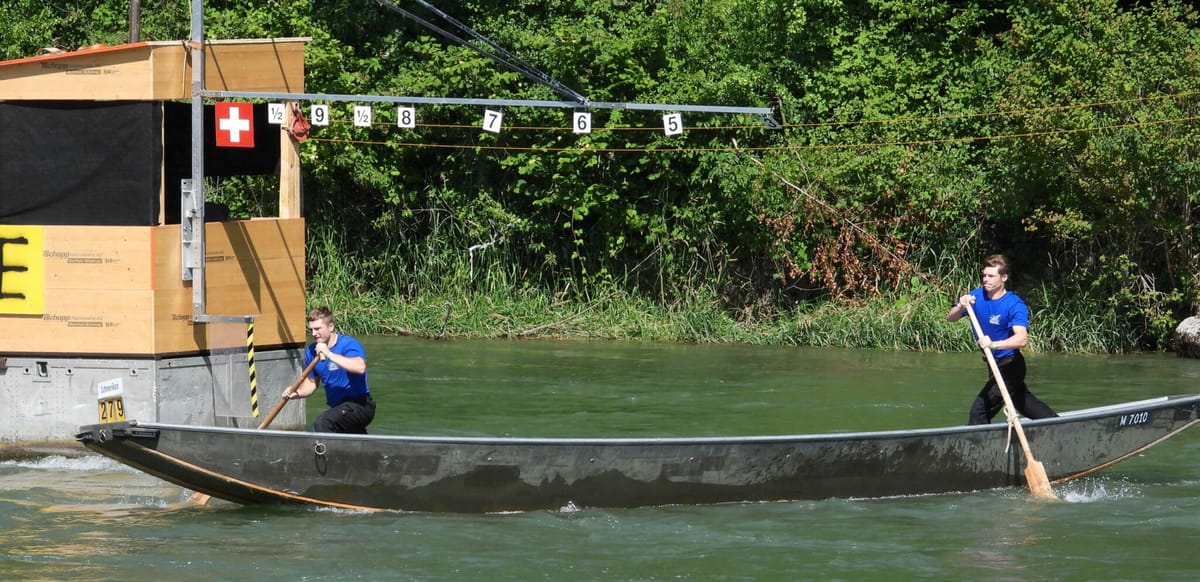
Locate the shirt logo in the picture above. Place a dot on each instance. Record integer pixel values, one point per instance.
(331, 366)
(994, 319)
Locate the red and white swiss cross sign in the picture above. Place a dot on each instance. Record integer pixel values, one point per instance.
(235, 125)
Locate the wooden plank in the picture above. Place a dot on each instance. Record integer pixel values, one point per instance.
(156, 71)
(171, 79)
(97, 257)
(254, 267)
(175, 332)
(78, 321)
(290, 203)
(119, 290)
(240, 241)
(269, 66)
(98, 73)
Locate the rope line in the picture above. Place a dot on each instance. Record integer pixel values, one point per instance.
(858, 145)
(834, 124)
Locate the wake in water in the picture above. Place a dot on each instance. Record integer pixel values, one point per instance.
(86, 464)
(1094, 490)
(89, 483)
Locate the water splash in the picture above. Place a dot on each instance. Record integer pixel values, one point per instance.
(1098, 490)
(84, 464)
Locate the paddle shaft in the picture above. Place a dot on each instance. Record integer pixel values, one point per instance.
(283, 400)
(1035, 473)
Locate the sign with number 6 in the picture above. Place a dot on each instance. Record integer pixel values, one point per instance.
(582, 122)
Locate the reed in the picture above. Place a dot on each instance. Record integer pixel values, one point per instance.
(450, 294)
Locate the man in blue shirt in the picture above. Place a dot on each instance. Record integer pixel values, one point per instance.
(1004, 319)
(342, 372)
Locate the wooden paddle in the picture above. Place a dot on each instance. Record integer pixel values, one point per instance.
(283, 399)
(202, 498)
(1035, 472)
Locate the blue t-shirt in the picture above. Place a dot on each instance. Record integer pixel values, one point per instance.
(998, 316)
(338, 384)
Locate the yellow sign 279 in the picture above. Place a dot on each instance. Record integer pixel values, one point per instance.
(109, 399)
(112, 410)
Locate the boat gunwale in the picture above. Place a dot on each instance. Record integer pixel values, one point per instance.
(1064, 418)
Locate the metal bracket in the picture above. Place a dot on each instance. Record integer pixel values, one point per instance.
(191, 231)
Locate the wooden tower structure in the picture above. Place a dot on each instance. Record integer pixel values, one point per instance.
(94, 292)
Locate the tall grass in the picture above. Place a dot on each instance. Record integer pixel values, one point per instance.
(452, 294)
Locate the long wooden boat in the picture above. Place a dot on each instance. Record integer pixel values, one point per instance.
(423, 473)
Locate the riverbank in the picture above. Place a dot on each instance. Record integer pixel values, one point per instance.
(903, 322)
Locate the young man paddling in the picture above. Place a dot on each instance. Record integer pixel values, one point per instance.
(342, 372)
(1004, 318)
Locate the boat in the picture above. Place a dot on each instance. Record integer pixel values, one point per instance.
(479, 474)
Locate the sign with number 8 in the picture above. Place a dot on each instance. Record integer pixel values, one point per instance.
(406, 117)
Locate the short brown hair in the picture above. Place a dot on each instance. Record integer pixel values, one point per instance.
(322, 313)
(999, 261)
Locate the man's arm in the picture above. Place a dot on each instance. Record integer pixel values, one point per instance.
(958, 311)
(351, 364)
(304, 390)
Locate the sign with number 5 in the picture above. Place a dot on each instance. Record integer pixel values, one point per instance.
(673, 123)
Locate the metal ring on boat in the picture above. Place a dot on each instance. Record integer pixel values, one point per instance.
(319, 449)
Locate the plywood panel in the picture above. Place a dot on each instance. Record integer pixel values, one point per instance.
(119, 290)
(175, 332)
(156, 71)
(268, 66)
(241, 242)
(97, 257)
(104, 73)
(79, 321)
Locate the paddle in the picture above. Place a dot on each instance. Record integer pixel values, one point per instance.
(202, 498)
(1035, 472)
(283, 399)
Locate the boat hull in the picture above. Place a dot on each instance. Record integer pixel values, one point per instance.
(485, 475)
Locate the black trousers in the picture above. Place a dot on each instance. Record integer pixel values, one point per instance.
(989, 401)
(349, 416)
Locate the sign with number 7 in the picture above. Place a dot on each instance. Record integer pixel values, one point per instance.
(492, 120)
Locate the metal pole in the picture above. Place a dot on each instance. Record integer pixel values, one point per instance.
(135, 20)
(489, 102)
(192, 220)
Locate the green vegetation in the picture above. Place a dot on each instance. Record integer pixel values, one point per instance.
(919, 136)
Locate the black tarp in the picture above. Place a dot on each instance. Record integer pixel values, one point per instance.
(80, 162)
(105, 163)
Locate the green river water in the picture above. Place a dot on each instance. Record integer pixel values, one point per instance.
(88, 518)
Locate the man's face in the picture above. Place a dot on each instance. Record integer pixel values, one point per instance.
(992, 279)
(321, 330)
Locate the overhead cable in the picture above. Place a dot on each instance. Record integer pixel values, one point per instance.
(500, 54)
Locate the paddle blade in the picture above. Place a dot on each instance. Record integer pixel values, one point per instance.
(198, 499)
(1039, 483)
